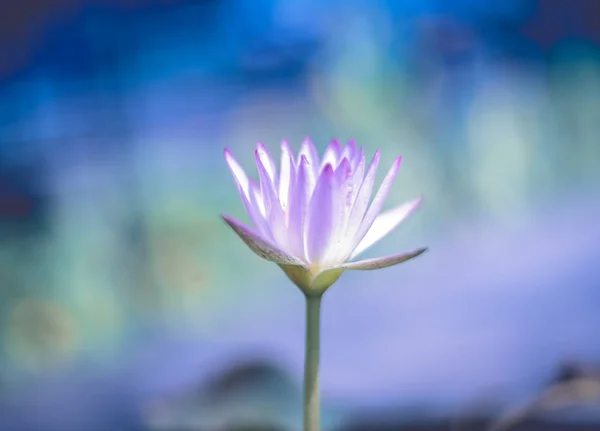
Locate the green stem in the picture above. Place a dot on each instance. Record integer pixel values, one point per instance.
(311, 364)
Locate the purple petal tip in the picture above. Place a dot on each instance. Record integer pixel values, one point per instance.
(328, 169)
(308, 142)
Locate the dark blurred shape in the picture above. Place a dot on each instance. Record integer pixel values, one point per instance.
(13, 202)
(571, 392)
(254, 394)
(273, 60)
(79, 403)
(255, 427)
(451, 40)
(25, 24)
(21, 200)
(570, 371)
(251, 377)
(555, 22)
(475, 426)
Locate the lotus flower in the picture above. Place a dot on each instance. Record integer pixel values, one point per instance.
(313, 216)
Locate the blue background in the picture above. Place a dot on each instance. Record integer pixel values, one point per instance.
(123, 295)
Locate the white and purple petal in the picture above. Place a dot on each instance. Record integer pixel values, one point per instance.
(331, 155)
(320, 220)
(239, 175)
(275, 215)
(360, 205)
(349, 150)
(308, 150)
(358, 172)
(342, 190)
(379, 262)
(260, 245)
(268, 162)
(298, 206)
(385, 223)
(248, 192)
(378, 201)
(287, 175)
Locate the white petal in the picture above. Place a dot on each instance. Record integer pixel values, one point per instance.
(298, 207)
(267, 161)
(341, 202)
(385, 223)
(308, 150)
(256, 196)
(247, 190)
(331, 155)
(286, 175)
(260, 245)
(349, 150)
(320, 217)
(378, 201)
(343, 187)
(360, 205)
(325, 278)
(258, 212)
(358, 172)
(381, 262)
(309, 154)
(275, 214)
(359, 155)
(238, 173)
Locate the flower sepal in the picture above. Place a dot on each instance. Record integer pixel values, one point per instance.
(309, 282)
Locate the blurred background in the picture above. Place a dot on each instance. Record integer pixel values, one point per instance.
(126, 304)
